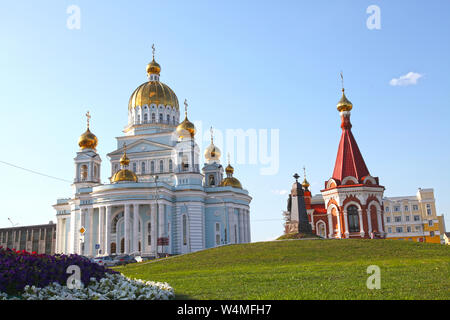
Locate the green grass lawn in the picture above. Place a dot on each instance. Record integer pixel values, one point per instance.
(305, 269)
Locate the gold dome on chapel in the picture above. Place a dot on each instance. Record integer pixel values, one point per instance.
(124, 174)
(212, 153)
(344, 104)
(88, 140)
(186, 128)
(230, 181)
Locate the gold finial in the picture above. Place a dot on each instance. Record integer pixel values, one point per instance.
(185, 107)
(153, 51)
(88, 117)
(342, 81)
(304, 171)
(212, 134)
(228, 157)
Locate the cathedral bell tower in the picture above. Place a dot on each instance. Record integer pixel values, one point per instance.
(187, 154)
(213, 170)
(87, 160)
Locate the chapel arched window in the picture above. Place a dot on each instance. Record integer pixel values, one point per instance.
(353, 218)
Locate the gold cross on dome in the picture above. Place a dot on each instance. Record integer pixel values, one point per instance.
(153, 51)
(185, 107)
(304, 171)
(88, 117)
(342, 80)
(212, 134)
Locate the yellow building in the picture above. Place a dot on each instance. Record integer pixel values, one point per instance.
(413, 218)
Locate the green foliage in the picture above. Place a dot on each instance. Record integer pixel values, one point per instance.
(305, 269)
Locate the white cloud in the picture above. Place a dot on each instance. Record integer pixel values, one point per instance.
(408, 79)
(281, 192)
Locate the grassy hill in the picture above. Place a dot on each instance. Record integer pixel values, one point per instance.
(305, 269)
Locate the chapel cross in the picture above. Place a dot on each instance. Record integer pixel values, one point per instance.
(88, 117)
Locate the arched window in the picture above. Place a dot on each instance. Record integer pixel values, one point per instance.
(353, 218)
(152, 167)
(134, 167)
(113, 247)
(173, 119)
(217, 233)
(143, 167)
(139, 118)
(160, 118)
(184, 230)
(170, 165)
(84, 172)
(211, 180)
(114, 222)
(116, 167)
(145, 118)
(95, 171)
(153, 117)
(161, 166)
(122, 245)
(168, 119)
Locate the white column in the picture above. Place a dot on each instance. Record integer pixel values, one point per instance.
(135, 227)
(58, 234)
(127, 229)
(73, 227)
(380, 224)
(90, 239)
(78, 228)
(154, 228)
(161, 219)
(101, 223)
(248, 226)
(347, 233)
(361, 223)
(338, 216)
(107, 246)
(330, 226)
(241, 227)
(369, 221)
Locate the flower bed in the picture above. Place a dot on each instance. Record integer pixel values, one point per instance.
(31, 276)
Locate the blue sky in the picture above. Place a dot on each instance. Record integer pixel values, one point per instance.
(241, 64)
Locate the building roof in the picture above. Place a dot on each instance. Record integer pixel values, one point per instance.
(349, 161)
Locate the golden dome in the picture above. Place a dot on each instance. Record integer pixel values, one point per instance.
(212, 152)
(124, 175)
(124, 161)
(344, 104)
(88, 140)
(305, 184)
(153, 68)
(185, 128)
(229, 169)
(153, 92)
(231, 182)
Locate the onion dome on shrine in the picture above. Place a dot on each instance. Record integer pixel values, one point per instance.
(186, 128)
(124, 175)
(212, 153)
(88, 140)
(230, 181)
(153, 91)
(344, 104)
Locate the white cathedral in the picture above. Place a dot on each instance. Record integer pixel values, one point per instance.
(158, 201)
